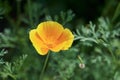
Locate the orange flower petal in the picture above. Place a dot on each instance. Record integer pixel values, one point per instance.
(49, 31)
(37, 42)
(69, 39)
(57, 47)
(64, 41)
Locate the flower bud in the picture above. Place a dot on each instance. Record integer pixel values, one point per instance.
(82, 66)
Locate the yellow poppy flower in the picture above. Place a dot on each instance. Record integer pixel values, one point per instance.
(52, 36)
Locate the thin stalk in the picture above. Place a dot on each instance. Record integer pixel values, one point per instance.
(45, 64)
(117, 13)
(18, 7)
(81, 61)
(18, 11)
(81, 65)
(12, 76)
(112, 54)
(30, 12)
(4, 79)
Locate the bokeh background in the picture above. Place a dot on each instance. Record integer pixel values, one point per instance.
(95, 24)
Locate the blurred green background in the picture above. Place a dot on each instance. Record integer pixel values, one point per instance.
(94, 23)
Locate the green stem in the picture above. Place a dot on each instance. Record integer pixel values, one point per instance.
(30, 13)
(117, 12)
(45, 64)
(112, 54)
(18, 7)
(12, 76)
(4, 79)
(114, 73)
(81, 61)
(18, 12)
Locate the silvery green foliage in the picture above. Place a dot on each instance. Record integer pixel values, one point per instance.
(99, 34)
(2, 53)
(63, 17)
(6, 39)
(97, 43)
(1, 12)
(12, 69)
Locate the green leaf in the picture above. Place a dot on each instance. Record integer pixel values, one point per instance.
(117, 13)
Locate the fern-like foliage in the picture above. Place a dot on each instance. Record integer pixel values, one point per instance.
(2, 53)
(63, 17)
(6, 39)
(12, 69)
